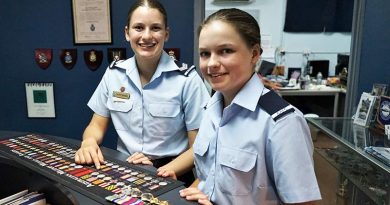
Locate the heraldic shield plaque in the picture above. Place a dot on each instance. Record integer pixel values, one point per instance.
(93, 59)
(173, 53)
(68, 58)
(114, 54)
(43, 57)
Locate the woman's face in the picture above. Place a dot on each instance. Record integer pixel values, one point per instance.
(146, 33)
(225, 59)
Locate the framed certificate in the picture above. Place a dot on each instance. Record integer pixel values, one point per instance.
(91, 21)
(40, 100)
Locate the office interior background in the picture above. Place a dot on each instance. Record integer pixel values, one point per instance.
(27, 25)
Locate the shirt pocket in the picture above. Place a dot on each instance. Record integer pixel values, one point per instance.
(237, 171)
(165, 119)
(120, 113)
(200, 147)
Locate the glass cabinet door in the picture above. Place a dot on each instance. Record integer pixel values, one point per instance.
(345, 172)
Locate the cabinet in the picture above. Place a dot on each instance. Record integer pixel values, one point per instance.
(339, 147)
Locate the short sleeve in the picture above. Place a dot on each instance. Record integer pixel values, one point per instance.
(290, 160)
(195, 97)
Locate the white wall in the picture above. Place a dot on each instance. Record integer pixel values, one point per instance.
(271, 15)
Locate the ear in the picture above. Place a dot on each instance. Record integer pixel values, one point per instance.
(167, 34)
(127, 33)
(256, 53)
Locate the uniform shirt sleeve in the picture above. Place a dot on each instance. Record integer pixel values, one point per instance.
(195, 97)
(290, 160)
(98, 101)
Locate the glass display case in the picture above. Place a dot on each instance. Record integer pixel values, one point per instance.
(362, 178)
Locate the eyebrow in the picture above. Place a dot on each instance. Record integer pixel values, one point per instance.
(220, 46)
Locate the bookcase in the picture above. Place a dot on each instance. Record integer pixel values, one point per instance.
(15, 178)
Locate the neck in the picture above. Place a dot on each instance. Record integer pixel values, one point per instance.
(146, 69)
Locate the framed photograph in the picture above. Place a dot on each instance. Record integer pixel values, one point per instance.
(379, 89)
(364, 109)
(91, 21)
(40, 100)
(360, 136)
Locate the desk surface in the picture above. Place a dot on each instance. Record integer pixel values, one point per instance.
(171, 196)
(321, 90)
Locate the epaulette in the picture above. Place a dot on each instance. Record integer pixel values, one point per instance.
(113, 64)
(184, 69)
(275, 105)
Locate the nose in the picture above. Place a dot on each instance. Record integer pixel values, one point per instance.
(147, 34)
(213, 61)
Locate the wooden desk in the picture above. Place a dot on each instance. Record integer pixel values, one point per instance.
(327, 91)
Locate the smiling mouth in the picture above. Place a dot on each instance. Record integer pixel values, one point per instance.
(147, 45)
(216, 75)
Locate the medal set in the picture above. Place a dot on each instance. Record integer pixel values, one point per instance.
(122, 183)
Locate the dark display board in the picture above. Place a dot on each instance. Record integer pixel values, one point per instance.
(55, 160)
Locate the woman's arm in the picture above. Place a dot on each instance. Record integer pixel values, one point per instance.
(183, 163)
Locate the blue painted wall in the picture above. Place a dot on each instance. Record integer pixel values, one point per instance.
(26, 25)
(375, 49)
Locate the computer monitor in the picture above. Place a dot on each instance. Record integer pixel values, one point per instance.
(319, 66)
(342, 62)
(266, 68)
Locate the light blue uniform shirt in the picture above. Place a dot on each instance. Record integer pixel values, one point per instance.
(155, 119)
(243, 156)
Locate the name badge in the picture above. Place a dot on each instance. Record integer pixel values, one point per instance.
(121, 95)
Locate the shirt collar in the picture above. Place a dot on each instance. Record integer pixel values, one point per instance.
(249, 95)
(166, 64)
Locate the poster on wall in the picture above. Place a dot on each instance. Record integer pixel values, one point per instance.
(40, 100)
(91, 22)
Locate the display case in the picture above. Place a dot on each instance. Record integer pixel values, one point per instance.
(361, 178)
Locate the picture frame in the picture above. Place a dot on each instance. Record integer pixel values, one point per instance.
(379, 89)
(40, 99)
(91, 22)
(360, 136)
(364, 110)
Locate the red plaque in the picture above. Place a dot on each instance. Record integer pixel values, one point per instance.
(43, 57)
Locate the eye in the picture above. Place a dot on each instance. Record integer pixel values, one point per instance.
(156, 28)
(227, 51)
(138, 28)
(204, 54)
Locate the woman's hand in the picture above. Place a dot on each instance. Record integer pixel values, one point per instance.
(164, 171)
(89, 153)
(139, 158)
(194, 194)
